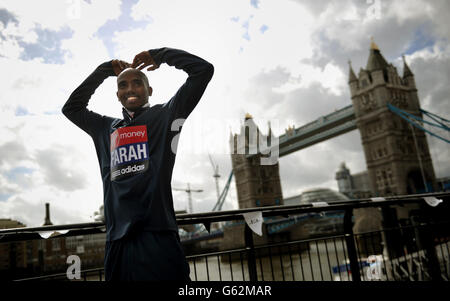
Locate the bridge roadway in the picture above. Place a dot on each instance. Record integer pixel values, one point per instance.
(323, 128)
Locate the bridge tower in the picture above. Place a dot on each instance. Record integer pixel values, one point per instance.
(257, 185)
(397, 155)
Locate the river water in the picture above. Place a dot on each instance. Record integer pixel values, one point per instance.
(315, 264)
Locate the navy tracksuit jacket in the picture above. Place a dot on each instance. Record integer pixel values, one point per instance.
(136, 162)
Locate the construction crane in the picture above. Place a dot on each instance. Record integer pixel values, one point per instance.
(189, 191)
(215, 175)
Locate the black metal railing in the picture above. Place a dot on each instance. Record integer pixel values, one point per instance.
(415, 247)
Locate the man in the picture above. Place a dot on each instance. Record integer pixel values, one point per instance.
(136, 162)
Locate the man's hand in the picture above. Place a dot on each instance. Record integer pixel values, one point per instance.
(119, 66)
(144, 59)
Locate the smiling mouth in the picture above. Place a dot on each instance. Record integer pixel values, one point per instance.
(132, 98)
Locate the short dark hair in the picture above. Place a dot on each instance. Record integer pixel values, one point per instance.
(141, 74)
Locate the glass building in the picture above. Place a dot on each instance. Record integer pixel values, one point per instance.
(316, 195)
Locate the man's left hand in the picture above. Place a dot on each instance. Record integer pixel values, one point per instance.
(144, 59)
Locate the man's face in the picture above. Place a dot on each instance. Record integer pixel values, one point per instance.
(132, 90)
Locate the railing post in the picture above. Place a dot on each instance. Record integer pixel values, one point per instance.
(251, 259)
(393, 235)
(424, 239)
(351, 248)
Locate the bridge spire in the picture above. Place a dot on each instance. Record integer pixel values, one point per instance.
(373, 45)
(376, 60)
(351, 77)
(406, 70)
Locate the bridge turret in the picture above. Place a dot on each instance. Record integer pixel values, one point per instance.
(352, 80)
(391, 156)
(344, 179)
(408, 76)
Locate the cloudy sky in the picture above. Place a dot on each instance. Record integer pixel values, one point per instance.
(282, 61)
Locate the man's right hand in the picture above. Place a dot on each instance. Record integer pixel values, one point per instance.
(119, 66)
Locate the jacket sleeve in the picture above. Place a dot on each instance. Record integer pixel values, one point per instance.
(199, 73)
(75, 109)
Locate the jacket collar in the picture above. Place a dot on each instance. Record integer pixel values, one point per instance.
(129, 115)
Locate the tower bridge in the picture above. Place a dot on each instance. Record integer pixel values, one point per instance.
(397, 156)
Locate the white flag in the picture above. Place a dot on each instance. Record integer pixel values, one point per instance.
(379, 199)
(45, 234)
(254, 220)
(432, 201)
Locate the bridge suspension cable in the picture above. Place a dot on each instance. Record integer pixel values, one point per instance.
(223, 195)
(417, 121)
(431, 115)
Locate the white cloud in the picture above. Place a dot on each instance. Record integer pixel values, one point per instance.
(61, 172)
(79, 15)
(412, 9)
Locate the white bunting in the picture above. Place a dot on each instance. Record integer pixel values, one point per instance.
(432, 201)
(254, 220)
(378, 199)
(319, 204)
(45, 234)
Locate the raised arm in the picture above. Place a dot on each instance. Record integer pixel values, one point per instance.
(199, 73)
(75, 108)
